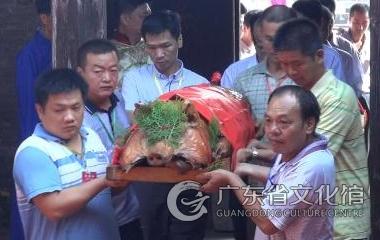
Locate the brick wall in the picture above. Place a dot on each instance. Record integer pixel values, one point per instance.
(18, 22)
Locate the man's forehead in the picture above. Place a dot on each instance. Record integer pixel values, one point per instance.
(97, 58)
(290, 55)
(270, 26)
(358, 14)
(70, 97)
(158, 38)
(283, 104)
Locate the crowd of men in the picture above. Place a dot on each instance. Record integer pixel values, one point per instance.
(305, 88)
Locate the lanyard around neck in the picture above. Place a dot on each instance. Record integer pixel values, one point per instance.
(159, 86)
(110, 135)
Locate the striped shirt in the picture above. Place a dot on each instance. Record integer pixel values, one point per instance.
(310, 171)
(256, 84)
(340, 123)
(235, 69)
(43, 165)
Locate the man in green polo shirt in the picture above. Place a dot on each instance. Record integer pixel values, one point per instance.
(300, 53)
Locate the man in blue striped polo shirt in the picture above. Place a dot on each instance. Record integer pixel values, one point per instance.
(59, 171)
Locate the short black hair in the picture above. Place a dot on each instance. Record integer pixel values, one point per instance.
(359, 7)
(43, 7)
(310, 9)
(161, 21)
(278, 14)
(95, 46)
(298, 35)
(58, 81)
(243, 9)
(330, 4)
(255, 19)
(115, 8)
(308, 103)
(326, 23)
(248, 17)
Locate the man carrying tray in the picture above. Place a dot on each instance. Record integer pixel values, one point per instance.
(59, 171)
(295, 198)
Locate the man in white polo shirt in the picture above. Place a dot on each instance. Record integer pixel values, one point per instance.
(298, 186)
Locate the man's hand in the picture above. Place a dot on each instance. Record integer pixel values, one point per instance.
(263, 150)
(215, 179)
(117, 186)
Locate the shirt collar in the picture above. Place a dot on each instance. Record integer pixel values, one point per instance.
(41, 35)
(319, 144)
(92, 108)
(175, 76)
(322, 83)
(40, 131)
(263, 69)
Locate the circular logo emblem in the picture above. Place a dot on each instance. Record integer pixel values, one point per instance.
(185, 201)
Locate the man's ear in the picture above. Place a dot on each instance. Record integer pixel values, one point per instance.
(319, 55)
(39, 110)
(80, 70)
(310, 125)
(180, 41)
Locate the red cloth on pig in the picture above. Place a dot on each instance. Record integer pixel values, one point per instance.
(233, 113)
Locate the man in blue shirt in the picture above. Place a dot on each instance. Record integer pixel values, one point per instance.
(59, 171)
(332, 59)
(161, 32)
(105, 114)
(32, 60)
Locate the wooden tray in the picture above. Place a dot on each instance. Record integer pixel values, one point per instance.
(151, 174)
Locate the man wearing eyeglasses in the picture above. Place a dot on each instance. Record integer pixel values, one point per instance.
(298, 193)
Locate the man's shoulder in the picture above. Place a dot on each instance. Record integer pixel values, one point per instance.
(36, 43)
(34, 142)
(319, 160)
(243, 64)
(336, 91)
(330, 51)
(93, 142)
(139, 74)
(193, 77)
(252, 72)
